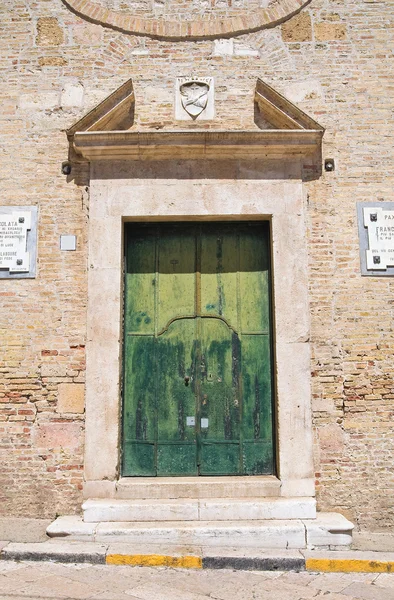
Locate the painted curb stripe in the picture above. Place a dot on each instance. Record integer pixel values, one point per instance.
(351, 565)
(324, 565)
(242, 563)
(155, 560)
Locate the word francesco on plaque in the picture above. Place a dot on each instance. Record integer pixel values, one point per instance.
(14, 227)
(380, 226)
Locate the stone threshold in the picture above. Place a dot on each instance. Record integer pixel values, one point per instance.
(148, 488)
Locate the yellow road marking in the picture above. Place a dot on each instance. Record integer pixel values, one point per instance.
(155, 560)
(338, 565)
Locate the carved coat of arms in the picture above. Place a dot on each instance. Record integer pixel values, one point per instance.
(194, 98)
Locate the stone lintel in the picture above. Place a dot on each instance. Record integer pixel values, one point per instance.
(198, 145)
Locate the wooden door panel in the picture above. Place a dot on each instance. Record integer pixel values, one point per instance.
(176, 276)
(258, 458)
(197, 353)
(139, 459)
(140, 283)
(257, 432)
(176, 460)
(219, 458)
(175, 391)
(256, 388)
(219, 272)
(254, 281)
(219, 397)
(139, 409)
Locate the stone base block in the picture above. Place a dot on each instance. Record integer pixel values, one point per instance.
(331, 531)
(72, 528)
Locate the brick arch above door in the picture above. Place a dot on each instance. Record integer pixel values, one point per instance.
(241, 21)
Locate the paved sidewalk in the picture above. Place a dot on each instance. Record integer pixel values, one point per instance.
(53, 581)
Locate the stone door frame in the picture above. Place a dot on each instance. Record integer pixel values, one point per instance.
(231, 189)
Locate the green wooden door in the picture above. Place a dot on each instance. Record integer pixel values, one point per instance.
(197, 394)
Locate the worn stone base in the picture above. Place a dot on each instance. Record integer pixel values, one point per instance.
(327, 531)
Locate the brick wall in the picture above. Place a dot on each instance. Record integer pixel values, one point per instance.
(334, 60)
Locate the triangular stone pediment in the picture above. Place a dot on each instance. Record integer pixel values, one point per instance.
(114, 113)
(279, 112)
(283, 129)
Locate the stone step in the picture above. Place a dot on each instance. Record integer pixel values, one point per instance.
(327, 531)
(250, 534)
(194, 487)
(209, 509)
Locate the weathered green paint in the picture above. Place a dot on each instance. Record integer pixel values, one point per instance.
(197, 345)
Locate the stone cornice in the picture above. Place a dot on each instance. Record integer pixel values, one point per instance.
(202, 145)
(202, 28)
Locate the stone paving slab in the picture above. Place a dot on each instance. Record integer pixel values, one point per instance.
(18, 529)
(53, 581)
(378, 542)
(386, 580)
(368, 592)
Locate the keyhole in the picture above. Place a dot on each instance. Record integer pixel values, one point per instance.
(187, 379)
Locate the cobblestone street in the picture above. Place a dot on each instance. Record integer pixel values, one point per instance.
(33, 580)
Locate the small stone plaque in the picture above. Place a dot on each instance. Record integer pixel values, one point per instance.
(194, 98)
(68, 242)
(376, 233)
(18, 242)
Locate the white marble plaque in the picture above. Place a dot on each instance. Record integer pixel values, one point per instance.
(13, 241)
(17, 241)
(380, 226)
(194, 98)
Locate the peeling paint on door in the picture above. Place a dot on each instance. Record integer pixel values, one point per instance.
(197, 350)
